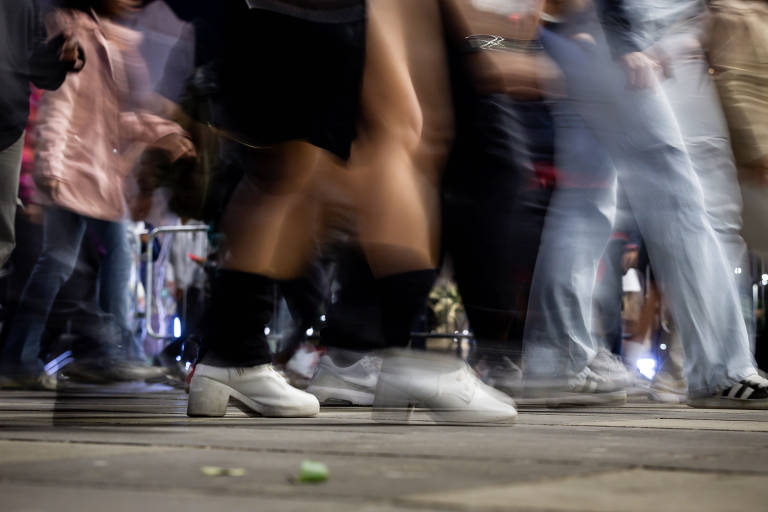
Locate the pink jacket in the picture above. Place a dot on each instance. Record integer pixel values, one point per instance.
(87, 136)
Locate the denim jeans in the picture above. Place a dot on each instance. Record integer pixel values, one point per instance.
(63, 233)
(640, 134)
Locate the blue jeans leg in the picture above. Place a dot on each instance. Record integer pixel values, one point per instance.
(114, 281)
(63, 233)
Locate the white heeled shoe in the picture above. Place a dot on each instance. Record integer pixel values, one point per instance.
(259, 389)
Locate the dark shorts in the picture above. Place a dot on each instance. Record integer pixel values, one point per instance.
(282, 78)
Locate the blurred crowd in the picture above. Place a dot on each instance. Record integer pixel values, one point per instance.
(448, 208)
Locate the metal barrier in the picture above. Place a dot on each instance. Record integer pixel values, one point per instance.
(134, 242)
(149, 285)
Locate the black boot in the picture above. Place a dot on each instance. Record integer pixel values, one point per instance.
(240, 307)
(403, 297)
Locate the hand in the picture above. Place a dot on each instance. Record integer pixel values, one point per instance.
(47, 185)
(70, 52)
(641, 70)
(178, 146)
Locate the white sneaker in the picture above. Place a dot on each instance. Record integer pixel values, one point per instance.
(353, 385)
(667, 390)
(585, 389)
(446, 387)
(611, 368)
(260, 389)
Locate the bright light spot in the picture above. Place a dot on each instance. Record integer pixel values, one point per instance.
(310, 331)
(737, 271)
(764, 279)
(187, 365)
(465, 332)
(178, 358)
(647, 367)
(267, 330)
(663, 346)
(176, 327)
(322, 318)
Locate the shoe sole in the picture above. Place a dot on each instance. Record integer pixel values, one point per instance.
(210, 398)
(727, 403)
(391, 405)
(426, 416)
(555, 401)
(338, 396)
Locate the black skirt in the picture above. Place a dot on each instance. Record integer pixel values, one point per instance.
(284, 69)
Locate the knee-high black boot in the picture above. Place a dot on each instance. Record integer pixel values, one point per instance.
(241, 305)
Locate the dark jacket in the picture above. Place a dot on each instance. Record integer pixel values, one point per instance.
(25, 56)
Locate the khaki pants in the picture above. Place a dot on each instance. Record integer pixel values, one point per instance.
(10, 168)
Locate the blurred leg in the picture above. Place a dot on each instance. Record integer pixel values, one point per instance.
(558, 333)
(114, 279)
(63, 232)
(10, 167)
(693, 99)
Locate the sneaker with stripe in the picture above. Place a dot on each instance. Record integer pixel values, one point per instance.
(588, 388)
(749, 393)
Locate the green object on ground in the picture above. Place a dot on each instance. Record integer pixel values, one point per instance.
(218, 471)
(313, 472)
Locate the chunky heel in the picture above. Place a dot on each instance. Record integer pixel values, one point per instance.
(207, 397)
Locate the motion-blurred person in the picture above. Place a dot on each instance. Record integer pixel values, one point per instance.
(493, 218)
(395, 58)
(26, 55)
(85, 129)
(623, 104)
(736, 44)
(679, 28)
(395, 171)
(273, 132)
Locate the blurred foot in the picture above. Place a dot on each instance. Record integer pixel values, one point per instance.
(257, 389)
(667, 389)
(302, 365)
(504, 375)
(749, 393)
(346, 385)
(612, 368)
(585, 389)
(106, 371)
(445, 387)
(37, 382)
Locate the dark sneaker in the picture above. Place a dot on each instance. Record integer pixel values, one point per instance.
(40, 382)
(749, 393)
(109, 370)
